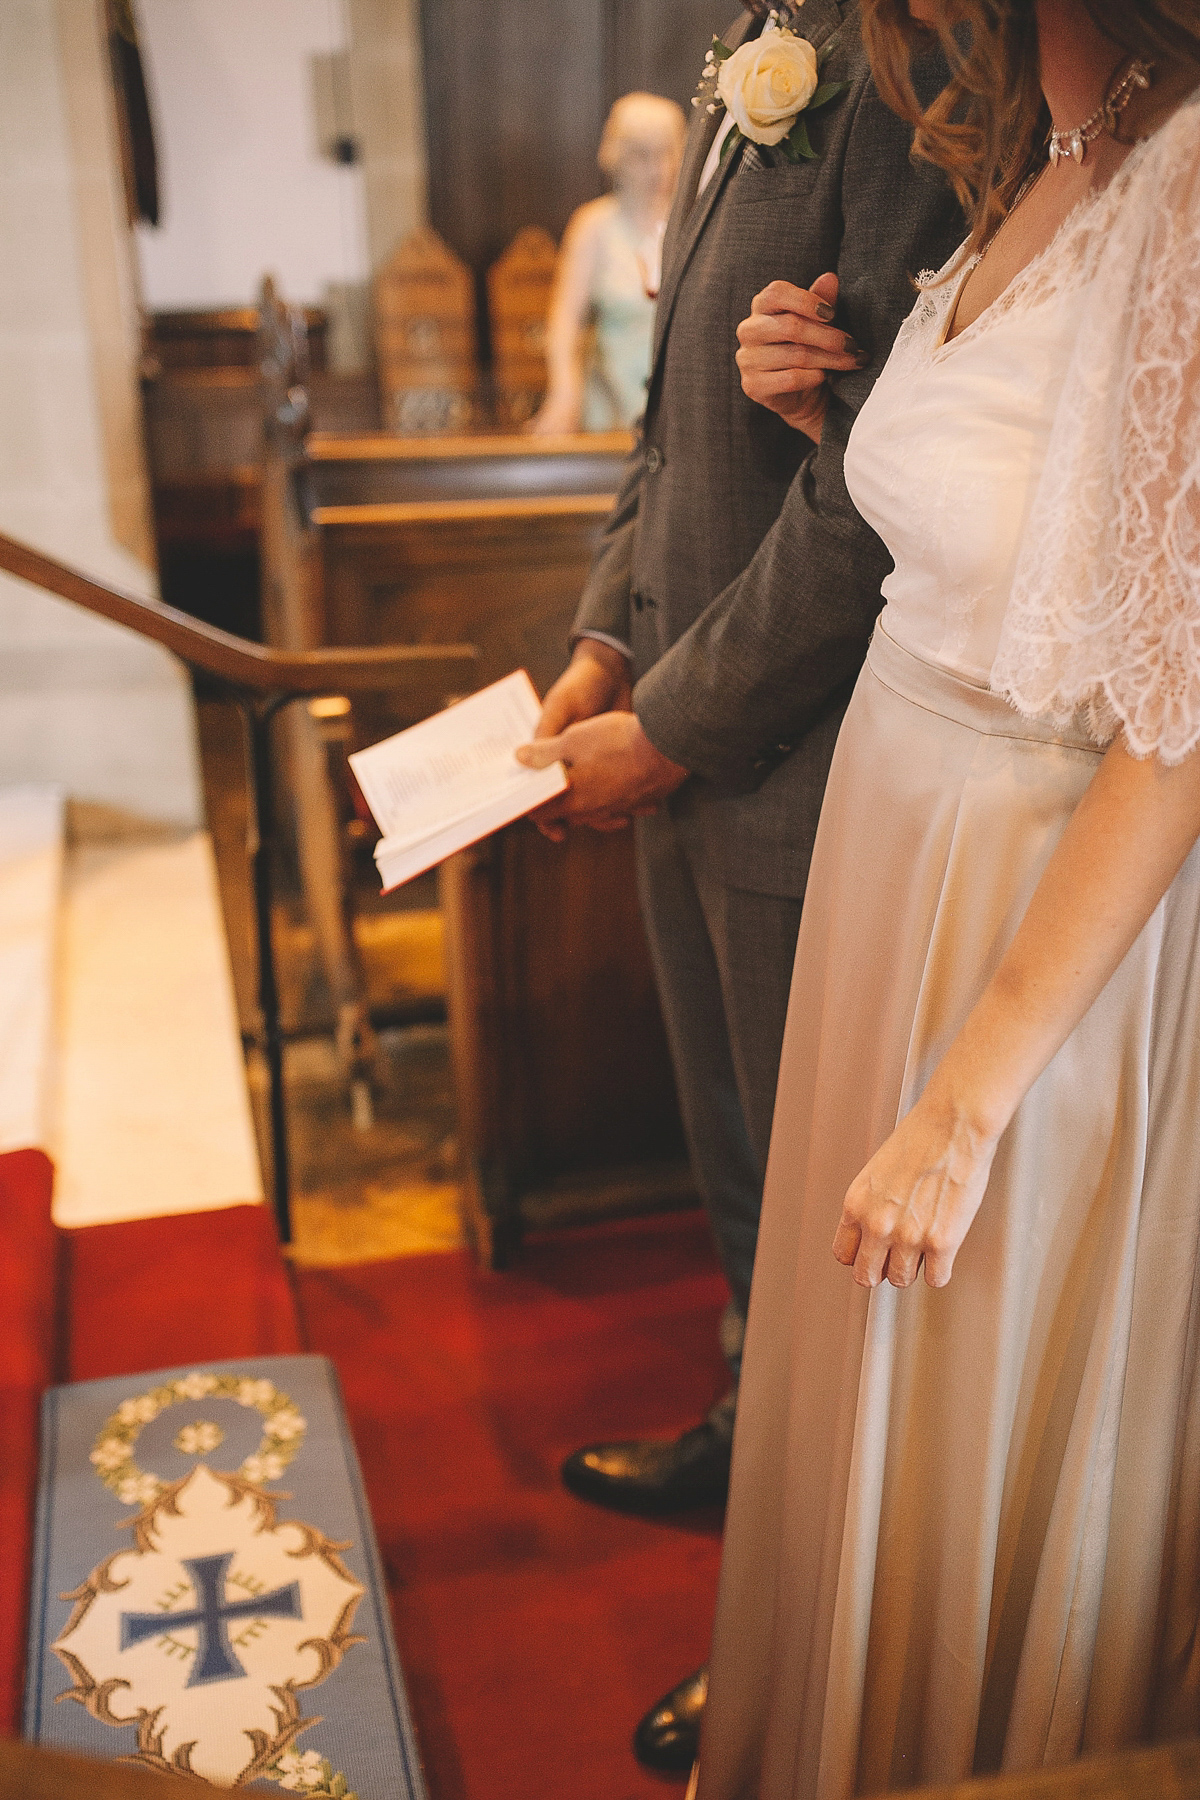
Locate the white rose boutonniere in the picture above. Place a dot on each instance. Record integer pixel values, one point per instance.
(768, 86)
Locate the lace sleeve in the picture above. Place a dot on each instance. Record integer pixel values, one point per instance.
(1105, 610)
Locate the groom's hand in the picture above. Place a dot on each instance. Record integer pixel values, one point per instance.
(615, 772)
(597, 679)
(788, 345)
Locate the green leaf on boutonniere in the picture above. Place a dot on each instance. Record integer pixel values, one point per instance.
(827, 49)
(798, 145)
(731, 138)
(721, 52)
(828, 90)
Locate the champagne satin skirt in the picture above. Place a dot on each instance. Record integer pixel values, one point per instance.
(964, 1525)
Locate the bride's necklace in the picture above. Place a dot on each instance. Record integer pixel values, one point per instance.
(1074, 143)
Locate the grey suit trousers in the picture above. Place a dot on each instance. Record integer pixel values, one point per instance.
(723, 959)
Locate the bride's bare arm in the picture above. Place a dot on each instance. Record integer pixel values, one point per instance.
(1120, 852)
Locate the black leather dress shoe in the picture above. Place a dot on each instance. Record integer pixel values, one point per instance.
(652, 1476)
(669, 1736)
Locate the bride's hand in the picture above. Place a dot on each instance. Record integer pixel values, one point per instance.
(788, 345)
(916, 1198)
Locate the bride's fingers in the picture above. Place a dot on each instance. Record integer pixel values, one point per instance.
(845, 1241)
(817, 302)
(871, 1258)
(793, 356)
(939, 1265)
(785, 296)
(902, 1266)
(782, 329)
(765, 388)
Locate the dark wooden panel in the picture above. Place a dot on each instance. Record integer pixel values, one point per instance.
(564, 1081)
(661, 47)
(566, 1098)
(517, 92)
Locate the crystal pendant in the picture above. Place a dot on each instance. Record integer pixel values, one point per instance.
(1077, 146)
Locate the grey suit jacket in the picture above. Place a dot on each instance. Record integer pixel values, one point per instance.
(734, 564)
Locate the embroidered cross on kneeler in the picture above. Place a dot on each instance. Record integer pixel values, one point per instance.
(216, 1659)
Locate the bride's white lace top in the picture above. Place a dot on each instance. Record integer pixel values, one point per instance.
(1037, 478)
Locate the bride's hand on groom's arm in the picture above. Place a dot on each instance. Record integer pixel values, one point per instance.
(787, 347)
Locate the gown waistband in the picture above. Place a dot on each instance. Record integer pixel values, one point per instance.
(968, 703)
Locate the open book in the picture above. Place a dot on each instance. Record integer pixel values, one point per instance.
(452, 779)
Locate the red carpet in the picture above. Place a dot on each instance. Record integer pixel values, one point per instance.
(28, 1286)
(534, 1629)
(192, 1288)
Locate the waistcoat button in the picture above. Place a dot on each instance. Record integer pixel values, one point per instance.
(654, 459)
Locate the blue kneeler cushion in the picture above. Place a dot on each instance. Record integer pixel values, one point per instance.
(207, 1595)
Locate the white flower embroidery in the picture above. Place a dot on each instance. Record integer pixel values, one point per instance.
(301, 1772)
(138, 1412)
(139, 1490)
(198, 1439)
(285, 1426)
(110, 1454)
(263, 1468)
(254, 1393)
(195, 1386)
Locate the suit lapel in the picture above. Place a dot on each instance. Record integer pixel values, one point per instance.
(690, 209)
(817, 20)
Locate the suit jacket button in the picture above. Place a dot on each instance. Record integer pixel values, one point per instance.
(654, 460)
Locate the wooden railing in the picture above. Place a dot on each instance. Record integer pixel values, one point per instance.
(409, 672)
(262, 680)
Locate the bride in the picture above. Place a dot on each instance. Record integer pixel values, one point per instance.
(964, 1523)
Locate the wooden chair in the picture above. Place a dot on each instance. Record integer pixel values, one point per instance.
(425, 338)
(519, 286)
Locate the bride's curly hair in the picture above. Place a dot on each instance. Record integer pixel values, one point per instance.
(988, 129)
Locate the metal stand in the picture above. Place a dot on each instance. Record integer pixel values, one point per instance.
(257, 716)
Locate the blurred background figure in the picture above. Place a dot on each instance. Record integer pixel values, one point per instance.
(602, 314)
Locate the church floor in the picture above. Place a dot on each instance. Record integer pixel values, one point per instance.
(534, 1629)
(358, 1194)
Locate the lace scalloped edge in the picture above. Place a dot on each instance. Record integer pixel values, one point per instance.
(1097, 712)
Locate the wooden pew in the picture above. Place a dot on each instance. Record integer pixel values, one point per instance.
(566, 1097)
(425, 337)
(519, 285)
(399, 536)
(203, 401)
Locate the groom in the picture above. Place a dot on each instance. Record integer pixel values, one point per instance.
(722, 627)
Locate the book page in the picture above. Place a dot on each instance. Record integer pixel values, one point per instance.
(458, 763)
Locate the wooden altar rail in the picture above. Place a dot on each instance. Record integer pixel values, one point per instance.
(262, 681)
(383, 446)
(412, 674)
(1169, 1773)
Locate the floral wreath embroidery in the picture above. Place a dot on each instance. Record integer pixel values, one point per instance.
(112, 1454)
(769, 85)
